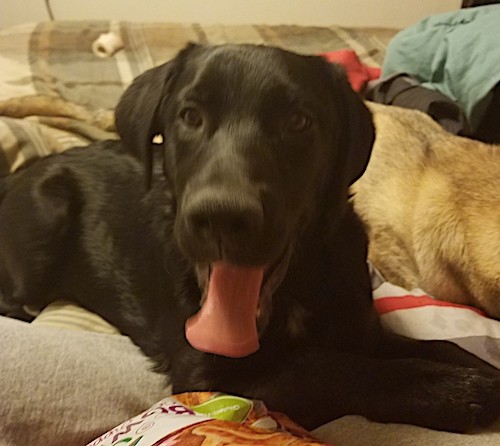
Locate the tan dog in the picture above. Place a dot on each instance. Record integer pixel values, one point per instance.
(431, 204)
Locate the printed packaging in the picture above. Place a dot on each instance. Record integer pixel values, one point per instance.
(207, 419)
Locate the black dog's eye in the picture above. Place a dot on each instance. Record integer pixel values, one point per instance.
(298, 122)
(191, 117)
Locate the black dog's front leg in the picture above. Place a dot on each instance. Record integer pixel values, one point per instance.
(413, 391)
(320, 386)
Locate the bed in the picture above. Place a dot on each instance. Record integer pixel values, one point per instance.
(68, 376)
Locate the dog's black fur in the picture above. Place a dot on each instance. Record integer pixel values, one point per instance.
(259, 148)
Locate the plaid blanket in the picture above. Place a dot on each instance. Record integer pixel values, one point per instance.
(55, 93)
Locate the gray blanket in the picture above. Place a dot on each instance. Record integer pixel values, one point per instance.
(65, 387)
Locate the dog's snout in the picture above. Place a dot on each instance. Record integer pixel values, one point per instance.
(225, 217)
(228, 220)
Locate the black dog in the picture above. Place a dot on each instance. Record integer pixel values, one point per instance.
(241, 205)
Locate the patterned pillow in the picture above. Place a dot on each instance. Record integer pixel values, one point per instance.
(64, 314)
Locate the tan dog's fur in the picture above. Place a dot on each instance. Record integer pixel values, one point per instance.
(431, 204)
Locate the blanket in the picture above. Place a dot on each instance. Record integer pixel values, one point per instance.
(55, 93)
(455, 53)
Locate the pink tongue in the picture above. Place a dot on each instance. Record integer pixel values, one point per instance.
(226, 324)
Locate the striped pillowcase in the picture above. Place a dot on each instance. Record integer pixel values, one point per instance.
(417, 315)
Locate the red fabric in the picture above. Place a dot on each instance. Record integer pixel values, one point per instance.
(357, 72)
(393, 303)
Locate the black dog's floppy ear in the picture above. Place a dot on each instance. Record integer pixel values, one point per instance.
(358, 131)
(136, 114)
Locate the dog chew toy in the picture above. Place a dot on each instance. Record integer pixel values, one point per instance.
(207, 419)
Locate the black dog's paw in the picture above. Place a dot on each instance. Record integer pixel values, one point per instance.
(462, 399)
(437, 396)
(480, 396)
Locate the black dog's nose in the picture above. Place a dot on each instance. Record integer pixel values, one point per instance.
(225, 218)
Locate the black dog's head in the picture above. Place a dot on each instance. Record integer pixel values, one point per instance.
(257, 142)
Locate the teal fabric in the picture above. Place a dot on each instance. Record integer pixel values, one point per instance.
(456, 53)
